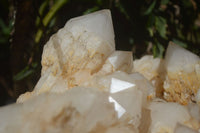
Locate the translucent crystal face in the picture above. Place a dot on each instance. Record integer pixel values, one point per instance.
(117, 61)
(123, 94)
(165, 116)
(76, 51)
(120, 110)
(87, 86)
(179, 59)
(182, 75)
(184, 129)
(98, 23)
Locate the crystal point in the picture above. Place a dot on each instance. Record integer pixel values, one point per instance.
(86, 86)
(182, 76)
(99, 23)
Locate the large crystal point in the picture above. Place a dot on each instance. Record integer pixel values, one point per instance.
(75, 53)
(182, 79)
(82, 45)
(98, 23)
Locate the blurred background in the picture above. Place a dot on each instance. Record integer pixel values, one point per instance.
(141, 26)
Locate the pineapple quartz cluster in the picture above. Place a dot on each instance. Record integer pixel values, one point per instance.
(87, 86)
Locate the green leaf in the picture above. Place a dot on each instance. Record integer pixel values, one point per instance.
(131, 40)
(5, 29)
(164, 2)
(150, 32)
(182, 44)
(122, 9)
(150, 24)
(95, 8)
(41, 10)
(151, 20)
(58, 4)
(161, 26)
(158, 50)
(27, 71)
(150, 9)
(3, 40)
(179, 33)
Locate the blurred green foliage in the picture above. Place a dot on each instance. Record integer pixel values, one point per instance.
(143, 26)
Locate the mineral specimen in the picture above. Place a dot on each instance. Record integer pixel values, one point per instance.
(183, 74)
(152, 69)
(80, 110)
(87, 86)
(148, 66)
(165, 116)
(183, 129)
(75, 53)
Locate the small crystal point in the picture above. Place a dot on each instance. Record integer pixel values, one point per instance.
(179, 59)
(99, 23)
(182, 75)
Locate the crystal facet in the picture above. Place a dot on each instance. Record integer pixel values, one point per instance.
(87, 86)
(182, 79)
(165, 116)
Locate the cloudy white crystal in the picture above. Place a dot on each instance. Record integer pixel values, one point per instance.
(110, 98)
(179, 59)
(59, 113)
(182, 75)
(152, 69)
(118, 61)
(165, 116)
(183, 129)
(77, 50)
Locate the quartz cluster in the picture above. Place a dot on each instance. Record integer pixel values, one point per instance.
(87, 86)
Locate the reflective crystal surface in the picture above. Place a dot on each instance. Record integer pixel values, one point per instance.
(182, 75)
(117, 61)
(87, 86)
(77, 110)
(77, 48)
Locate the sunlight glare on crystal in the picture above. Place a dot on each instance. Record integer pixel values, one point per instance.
(120, 110)
(119, 85)
(113, 59)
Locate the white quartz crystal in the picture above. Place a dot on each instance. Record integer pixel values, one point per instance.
(118, 61)
(121, 81)
(87, 86)
(180, 59)
(165, 116)
(152, 69)
(183, 129)
(76, 52)
(198, 97)
(148, 66)
(182, 74)
(125, 90)
(79, 110)
(82, 45)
